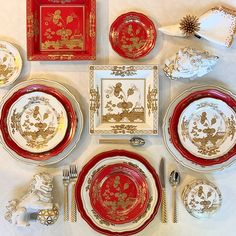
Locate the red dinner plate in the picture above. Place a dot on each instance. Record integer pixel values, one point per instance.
(90, 165)
(212, 93)
(71, 115)
(119, 193)
(132, 35)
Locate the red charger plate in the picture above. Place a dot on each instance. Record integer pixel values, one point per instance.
(90, 165)
(132, 35)
(119, 193)
(71, 115)
(212, 93)
(61, 30)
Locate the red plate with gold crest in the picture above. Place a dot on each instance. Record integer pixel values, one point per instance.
(119, 193)
(61, 30)
(133, 35)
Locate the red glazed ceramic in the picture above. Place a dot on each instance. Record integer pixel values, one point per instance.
(133, 35)
(119, 193)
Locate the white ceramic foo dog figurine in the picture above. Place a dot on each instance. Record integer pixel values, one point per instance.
(39, 197)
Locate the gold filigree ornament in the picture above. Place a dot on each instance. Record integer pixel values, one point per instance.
(49, 216)
(207, 128)
(10, 64)
(201, 198)
(37, 122)
(189, 25)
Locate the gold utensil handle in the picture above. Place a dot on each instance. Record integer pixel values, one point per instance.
(175, 217)
(73, 205)
(163, 207)
(66, 209)
(113, 141)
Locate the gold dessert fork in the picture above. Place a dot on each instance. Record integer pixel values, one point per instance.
(66, 180)
(73, 178)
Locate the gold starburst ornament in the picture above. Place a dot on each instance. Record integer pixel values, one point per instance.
(189, 25)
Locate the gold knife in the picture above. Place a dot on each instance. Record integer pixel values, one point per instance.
(163, 202)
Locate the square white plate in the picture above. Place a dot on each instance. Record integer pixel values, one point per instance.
(124, 99)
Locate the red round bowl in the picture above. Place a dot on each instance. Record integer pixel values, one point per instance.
(173, 129)
(90, 164)
(71, 115)
(132, 35)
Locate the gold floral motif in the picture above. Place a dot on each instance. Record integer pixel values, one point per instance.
(33, 26)
(94, 100)
(68, 39)
(201, 197)
(137, 167)
(91, 177)
(134, 42)
(6, 68)
(130, 111)
(122, 129)
(210, 143)
(101, 221)
(116, 196)
(61, 57)
(146, 211)
(37, 129)
(92, 24)
(152, 100)
(124, 71)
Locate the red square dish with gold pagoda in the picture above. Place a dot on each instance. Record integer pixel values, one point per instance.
(61, 30)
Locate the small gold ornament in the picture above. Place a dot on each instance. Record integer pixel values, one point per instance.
(189, 25)
(49, 216)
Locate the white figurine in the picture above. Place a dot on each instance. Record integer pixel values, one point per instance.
(189, 63)
(39, 197)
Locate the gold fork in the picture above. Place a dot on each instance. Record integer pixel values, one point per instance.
(73, 178)
(66, 180)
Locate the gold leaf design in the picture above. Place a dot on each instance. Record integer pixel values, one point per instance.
(152, 100)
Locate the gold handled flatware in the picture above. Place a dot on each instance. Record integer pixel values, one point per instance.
(73, 178)
(163, 202)
(174, 180)
(66, 180)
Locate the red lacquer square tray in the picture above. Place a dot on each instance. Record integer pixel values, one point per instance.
(61, 30)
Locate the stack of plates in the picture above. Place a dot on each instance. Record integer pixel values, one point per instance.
(200, 128)
(118, 192)
(41, 122)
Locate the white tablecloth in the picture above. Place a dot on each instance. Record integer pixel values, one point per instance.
(15, 176)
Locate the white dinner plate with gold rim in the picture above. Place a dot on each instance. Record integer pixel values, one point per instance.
(37, 122)
(79, 128)
(153, 196)
(10, 64)
(167, 139)
(206, 128)
(201, 198)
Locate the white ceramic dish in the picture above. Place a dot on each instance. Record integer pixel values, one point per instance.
(78, 132)
(10, 64)
(118, 228)
(124, 100)
(167, 139)
(207, 128)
